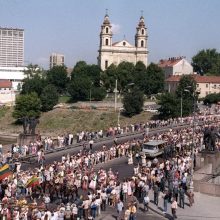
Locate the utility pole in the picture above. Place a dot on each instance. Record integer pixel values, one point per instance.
(116, 91)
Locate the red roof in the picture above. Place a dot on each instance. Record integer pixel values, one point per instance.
(198, 78)
(170, 62)
(5, 84)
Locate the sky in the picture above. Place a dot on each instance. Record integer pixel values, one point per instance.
(72, 27)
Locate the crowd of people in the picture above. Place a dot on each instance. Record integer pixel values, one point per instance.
(74, 189)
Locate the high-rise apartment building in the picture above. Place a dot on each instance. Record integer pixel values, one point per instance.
(56, 60)
(11, 47)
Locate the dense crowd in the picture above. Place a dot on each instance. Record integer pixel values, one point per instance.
(74, 189)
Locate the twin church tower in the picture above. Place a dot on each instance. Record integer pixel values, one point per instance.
(115, 53)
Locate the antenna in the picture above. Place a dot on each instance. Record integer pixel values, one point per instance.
(142, 13)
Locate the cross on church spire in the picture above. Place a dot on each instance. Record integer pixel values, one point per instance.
(142, 13)
(106, 11)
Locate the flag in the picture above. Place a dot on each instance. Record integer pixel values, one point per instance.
(33, 181)
(5, 171)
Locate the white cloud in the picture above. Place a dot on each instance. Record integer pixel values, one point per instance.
(116, 28)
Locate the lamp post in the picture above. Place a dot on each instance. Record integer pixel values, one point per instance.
(116, 91)
(181, 106)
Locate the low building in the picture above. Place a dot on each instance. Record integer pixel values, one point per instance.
(13, 74)
(7, 93)
(175, 66)
(205, 84)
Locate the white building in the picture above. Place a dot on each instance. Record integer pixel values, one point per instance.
(115, 53)
(13, 74)
(7, 93)
(176, 66)
(56, 60)
(204, 84)
(11, 47)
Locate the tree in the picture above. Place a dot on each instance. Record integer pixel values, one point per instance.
(79, 88)
(58, 77)
(133, 102)
(207, 62)
(98, 93)
(34, 84)
(49, 98)
(27, 105)
(213, 98)
(154, 80)
(168, 106)
(140, 76)
(124, 75)
(108, 77)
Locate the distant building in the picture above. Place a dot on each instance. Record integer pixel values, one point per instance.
(176, 66)
(11, 47)
(13, 74)
(7, 94)
(204, 84)
(56, 60)
(115, 53)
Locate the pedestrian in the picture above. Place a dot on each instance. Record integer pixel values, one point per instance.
(91, 142)
(174, 208)
(156, 193)
(120, 207)
(133, 211)
(181, 197)
(146, 202)
(191, 198)
(165, 201)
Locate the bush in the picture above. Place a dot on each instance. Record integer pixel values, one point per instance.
(98, 93)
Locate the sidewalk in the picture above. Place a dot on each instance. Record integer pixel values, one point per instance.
(205, 207)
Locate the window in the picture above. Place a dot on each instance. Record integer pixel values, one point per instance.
(207, 85)
(214, 87)
(124, 43)
(106, 64)
(106, 30)
(142, 31)
(142, 43)
(206, 93)
(106, 41)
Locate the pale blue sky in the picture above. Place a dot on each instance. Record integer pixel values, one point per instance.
(72, 27)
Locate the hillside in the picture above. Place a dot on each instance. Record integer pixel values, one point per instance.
(60, 121)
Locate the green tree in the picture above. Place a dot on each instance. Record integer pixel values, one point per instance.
(169, 106)
(207, 62)
(34, 84)
(27, 105)
(140, 76)
(213, 98)
(133, 102)
(98, 93)
(79, 88)
(49, 98)
(108, 77)
(57, 76)
(124, 75)
(154, 80)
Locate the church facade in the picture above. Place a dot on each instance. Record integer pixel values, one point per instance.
(115, 53)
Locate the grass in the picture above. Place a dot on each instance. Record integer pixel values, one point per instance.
(64, 99)
(60, 121)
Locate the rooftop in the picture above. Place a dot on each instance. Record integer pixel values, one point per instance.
(10, 28)
(198, 78)
(5, 84)
(169, 62)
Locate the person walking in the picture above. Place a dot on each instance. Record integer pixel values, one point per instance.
(146, 202)
(174, 208)
(120, 207)
(156, 193)
(165, 201)
(181, 197)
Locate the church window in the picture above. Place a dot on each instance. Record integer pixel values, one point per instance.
(106, 64)
(124, 43)
(106, 41)
(142, 43)
(142, 31)
(106, 30)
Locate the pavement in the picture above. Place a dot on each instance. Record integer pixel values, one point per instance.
(205, 207)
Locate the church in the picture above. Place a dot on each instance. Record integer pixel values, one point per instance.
(115, 53)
